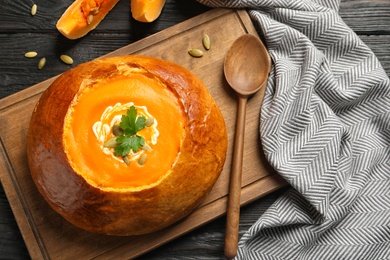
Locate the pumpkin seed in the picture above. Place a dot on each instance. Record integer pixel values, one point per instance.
(149, 121)
(142, 159)
(206, 42)
(34, 9)
(195, 53)
(30, 54)
(111, 143)
(89, 18)
(117, 130)
(126, 160)
(66, 59)
(41, 63)
(146, 147)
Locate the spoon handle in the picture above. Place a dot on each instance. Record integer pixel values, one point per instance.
(233, 209)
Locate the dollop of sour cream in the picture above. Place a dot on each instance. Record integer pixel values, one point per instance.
(112, 116)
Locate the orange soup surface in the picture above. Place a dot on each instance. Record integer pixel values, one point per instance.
(97, 164)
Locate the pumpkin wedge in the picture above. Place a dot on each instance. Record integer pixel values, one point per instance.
(146, 10)
(82, 16)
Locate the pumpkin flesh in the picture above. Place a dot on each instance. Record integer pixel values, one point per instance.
(146, 10)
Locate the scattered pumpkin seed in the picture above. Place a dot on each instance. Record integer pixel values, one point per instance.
(111, 143)
(142, 159)
(126, 159)
(195, 53)
(41, 63)
(34, 9)
(146, 147)
(89, 18)
(149, 121)
(66, 59)
(117, 130)
(206, 42)
(30, 54)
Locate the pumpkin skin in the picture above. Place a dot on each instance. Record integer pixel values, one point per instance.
(122, 210)
(82, 16)
(146, 10)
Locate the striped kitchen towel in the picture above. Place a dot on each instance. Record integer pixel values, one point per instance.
(325, 127)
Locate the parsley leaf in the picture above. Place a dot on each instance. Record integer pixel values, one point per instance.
(129, 140)
(126, 144)
(130, 123)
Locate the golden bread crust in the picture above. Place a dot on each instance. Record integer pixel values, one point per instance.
(197, 168)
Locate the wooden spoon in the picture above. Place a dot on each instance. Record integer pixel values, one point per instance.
(246, 69)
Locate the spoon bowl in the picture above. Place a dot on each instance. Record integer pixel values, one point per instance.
(246, 67)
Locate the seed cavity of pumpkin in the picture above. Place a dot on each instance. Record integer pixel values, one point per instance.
(34, 9)
(41, 63)
(30, 54)
(66, 59)
(95, 10)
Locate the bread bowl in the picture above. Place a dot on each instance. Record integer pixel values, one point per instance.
(88, 184)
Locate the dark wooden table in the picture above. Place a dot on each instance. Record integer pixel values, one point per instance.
(20, 32)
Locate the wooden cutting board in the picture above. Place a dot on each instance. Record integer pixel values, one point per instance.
(48, 236)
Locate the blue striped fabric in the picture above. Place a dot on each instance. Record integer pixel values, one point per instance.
(325, 127)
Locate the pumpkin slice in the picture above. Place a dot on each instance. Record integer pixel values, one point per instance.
(146, 10)
(83, 16)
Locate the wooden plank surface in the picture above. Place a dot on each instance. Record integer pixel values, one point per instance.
(19, 33)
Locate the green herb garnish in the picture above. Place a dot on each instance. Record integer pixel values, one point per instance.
(129, 140)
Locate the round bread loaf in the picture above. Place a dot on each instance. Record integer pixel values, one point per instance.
(84, 178)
